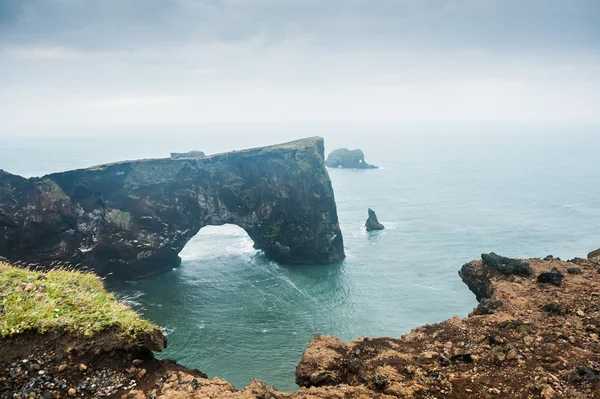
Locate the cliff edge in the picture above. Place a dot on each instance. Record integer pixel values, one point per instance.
(533, 335)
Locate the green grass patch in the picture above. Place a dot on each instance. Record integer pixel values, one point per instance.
(64, 300)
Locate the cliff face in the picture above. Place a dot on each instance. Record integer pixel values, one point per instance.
(131, 219)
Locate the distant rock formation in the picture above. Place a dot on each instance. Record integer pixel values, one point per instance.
(189, 154)
(372, 223)
(131, 219)
(344, 158)
(594, 254)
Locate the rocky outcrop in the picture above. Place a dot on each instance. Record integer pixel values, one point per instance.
(372, 223)
(506, 265)
(345, 158)
(189, 154)
(594, 254)
(131, 219)
(526, 339)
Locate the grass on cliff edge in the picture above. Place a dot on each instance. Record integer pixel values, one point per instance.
(62, 300)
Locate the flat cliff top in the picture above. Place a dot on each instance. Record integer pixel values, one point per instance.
(306, 144)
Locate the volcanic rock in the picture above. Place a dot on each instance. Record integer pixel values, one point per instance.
(506, 265)
(131, 219)
(553, 277)
(372, 223)
(347, 159)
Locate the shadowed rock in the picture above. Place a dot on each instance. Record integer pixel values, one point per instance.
(131, 219)
(189, 154)
(553, 277)
(372, 223)
(506, 265)
(344, 158)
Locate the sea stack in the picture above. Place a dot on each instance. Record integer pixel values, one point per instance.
(344, 158)
(372, 223)
(131, 219)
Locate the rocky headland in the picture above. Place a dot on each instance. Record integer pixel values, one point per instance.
(348, 159)
(131, 219)
(533, 335)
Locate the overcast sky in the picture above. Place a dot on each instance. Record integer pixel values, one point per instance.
(131, 62)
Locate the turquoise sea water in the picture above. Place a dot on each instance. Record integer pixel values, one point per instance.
(444, 200)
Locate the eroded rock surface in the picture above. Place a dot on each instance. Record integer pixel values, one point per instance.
(345, 158)
(372, 223)
(526, 339)
(131, 219)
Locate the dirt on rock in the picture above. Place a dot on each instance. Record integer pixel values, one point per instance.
(530, 337)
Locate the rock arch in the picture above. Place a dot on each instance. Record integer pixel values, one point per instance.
(131, 219)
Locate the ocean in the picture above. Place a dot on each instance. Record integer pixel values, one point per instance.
(444, 197)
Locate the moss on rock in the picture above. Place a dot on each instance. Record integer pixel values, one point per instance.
(69, 301)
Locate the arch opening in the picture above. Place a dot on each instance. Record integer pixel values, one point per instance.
(218, 242)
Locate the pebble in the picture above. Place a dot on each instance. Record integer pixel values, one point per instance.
(82, 367)
(512, 354)
(528, 340)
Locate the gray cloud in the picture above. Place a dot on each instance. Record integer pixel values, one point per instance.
(126, 25)
(166, 61)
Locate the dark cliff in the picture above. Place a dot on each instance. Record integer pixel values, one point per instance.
(131, 219)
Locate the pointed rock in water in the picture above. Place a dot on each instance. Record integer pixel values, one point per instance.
(372, 223)
(344, 158)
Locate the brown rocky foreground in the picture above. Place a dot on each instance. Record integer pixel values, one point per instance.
(533, 335)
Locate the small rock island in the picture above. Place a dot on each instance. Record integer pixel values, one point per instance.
(372, 224)
(347, 159)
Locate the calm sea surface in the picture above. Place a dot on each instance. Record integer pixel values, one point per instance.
(444, 200)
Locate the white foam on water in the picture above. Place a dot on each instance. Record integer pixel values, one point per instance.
(167, 330)
(216, 242)
(424, 286)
